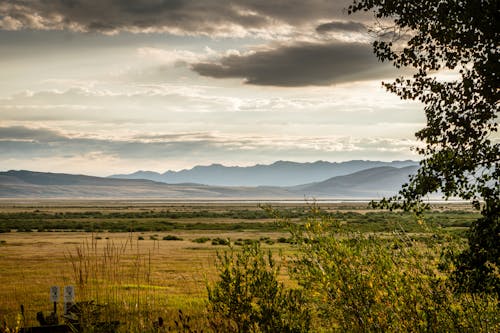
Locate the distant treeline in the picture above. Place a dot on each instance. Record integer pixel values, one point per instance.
(246, 219)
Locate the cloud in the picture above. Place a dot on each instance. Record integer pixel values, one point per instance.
(24, 142)
(169, 56)
(135, 103)
(301, 64)
(341, 26)
(187, 17)
(25, 134)
(19, 142)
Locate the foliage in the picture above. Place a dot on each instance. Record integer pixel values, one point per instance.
(91, 222)
(460, 157)
(364, 283)
(193, 218)
(220, 241)
(172, 238)
(201, 240)
(478, 267)
(249, 298)
(377, 280)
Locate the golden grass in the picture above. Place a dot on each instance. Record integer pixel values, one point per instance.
(145, 279)
(157, 276)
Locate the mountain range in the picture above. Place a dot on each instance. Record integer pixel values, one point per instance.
(371, 183)
(280, 173)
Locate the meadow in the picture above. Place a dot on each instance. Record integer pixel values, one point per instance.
(138, 261)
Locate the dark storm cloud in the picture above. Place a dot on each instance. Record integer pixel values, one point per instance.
(300, 65)
(181, 16)
(341, 26)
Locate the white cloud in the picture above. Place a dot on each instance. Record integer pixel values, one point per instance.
(170, 57)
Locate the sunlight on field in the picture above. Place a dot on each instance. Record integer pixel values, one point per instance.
(167, 275)
(142, 261)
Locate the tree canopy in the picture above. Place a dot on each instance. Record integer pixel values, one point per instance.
(460, 155)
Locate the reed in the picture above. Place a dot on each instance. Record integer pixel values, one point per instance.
(117, 277)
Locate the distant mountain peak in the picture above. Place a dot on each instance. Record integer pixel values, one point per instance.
(279, 173)
(370, 183)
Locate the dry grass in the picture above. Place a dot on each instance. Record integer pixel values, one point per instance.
(159, 277)
(141, 279)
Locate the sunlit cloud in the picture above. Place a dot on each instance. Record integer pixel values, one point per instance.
(44, 143)
(116, 86)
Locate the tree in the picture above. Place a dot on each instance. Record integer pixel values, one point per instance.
(460, 155)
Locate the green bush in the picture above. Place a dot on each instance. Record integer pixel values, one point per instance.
(283, 240)
(241, 241)
(201, 240)
(364, 283)
(249, 298)
(220, 241)
(172, 238)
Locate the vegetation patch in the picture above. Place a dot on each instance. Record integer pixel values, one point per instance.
(327, 270)
(172, 238)
(201, 240)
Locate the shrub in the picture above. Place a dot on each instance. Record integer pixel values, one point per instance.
(284, 240)
(201, 240)
(171, 238)
(220, 241)
(249, 298)
(360, 283)
(241, 241)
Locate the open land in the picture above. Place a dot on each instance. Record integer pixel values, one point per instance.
(157, 255)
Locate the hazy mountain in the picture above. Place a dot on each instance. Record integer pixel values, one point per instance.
(366, 184)
(281, 173)
(370, 183)
(29, 184)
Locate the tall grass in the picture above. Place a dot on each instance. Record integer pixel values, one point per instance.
(337, 273)
(118, 279)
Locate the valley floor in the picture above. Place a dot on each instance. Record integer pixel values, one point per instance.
(156, 256)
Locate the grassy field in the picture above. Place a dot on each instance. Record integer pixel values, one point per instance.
(152, 259)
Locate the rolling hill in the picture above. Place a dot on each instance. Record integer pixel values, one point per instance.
(366, 184)
(370, 183)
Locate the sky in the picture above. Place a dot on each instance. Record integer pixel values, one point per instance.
(101, 87)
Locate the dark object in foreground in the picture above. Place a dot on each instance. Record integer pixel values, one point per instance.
(47, 329)
(79, 316)
(101, 327)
